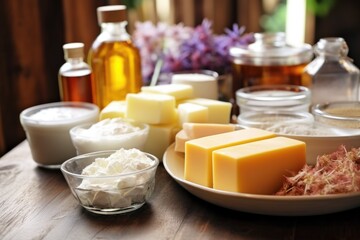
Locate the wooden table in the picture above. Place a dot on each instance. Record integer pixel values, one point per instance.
(36, 203)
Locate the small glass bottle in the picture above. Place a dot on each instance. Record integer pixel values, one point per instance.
(115, 61)
(331, 76)
(75, 77)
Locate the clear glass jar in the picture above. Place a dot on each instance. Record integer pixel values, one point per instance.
(332, 76)
(114, 59)
(268, 61)
(263, 106)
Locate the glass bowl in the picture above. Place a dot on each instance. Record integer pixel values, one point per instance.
(344, 114)
(109, 134)
(47, 125)
(110, 193)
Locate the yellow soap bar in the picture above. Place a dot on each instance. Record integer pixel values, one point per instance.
(151, 108)
(219, 111)
(257, 167)
(160, 137)
(189, 112)
(178, 91)
(198, 130)
(198, 152)
(114, 109)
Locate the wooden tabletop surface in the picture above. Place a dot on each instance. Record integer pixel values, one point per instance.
(36, 203)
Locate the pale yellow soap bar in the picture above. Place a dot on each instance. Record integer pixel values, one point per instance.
(160, 138)
(219, 111)
(257, 167)
(151, 108)
(114, 109)
(178, 91)
(198, 130)
(180, 138)
(198, 152)
(189, 112)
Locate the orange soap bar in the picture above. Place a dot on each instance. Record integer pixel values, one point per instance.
(257, 167)
(198, 152)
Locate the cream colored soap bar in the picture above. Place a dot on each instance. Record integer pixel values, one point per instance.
(198, 152)
(114, 109)
(151, 108)
(178, 91)
(159, 138)
(257, 167)
(198, 130)
(189, 112)
(219, 111)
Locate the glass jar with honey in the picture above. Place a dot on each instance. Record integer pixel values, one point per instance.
(268, 61)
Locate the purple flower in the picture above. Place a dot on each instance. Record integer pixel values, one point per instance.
(185, 48)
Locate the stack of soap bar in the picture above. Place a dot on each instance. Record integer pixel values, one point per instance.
(178, 91)
(198, 130)
(219, 112)
(151, 108)
(198, 152)
(257, 167)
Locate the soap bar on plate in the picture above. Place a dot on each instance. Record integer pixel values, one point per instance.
(198, 130)
(258, 167)
(198, 152)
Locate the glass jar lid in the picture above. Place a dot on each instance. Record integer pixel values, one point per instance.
(270, 49)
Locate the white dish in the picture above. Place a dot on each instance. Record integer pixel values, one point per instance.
(260, 204)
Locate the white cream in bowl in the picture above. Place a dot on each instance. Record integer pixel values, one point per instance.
(109, 134)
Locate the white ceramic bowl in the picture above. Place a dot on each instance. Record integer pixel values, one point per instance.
(109, 134)
(109, 194)
(47, 129)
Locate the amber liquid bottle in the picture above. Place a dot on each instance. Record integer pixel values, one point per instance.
(114, 60)
(75, 77)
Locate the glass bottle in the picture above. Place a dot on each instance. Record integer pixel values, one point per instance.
(268, 61)
(75, 75)
(331, 76)
(115, 61)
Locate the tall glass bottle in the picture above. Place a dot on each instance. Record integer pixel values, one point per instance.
(332, 76)
(75, 77)
(115, 61)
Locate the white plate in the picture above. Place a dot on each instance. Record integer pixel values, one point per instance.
(260, 204)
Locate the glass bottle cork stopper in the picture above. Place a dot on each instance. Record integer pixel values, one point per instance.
(112, 13)
(73, 50)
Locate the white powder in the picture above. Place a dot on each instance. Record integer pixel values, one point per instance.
(115, 192)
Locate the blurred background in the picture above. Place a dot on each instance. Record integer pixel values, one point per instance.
(32, 33)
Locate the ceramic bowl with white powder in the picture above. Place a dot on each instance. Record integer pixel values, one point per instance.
(109, 134)
(111, 182)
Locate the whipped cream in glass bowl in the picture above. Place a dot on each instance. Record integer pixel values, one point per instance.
(111, 182)
(109, 134)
